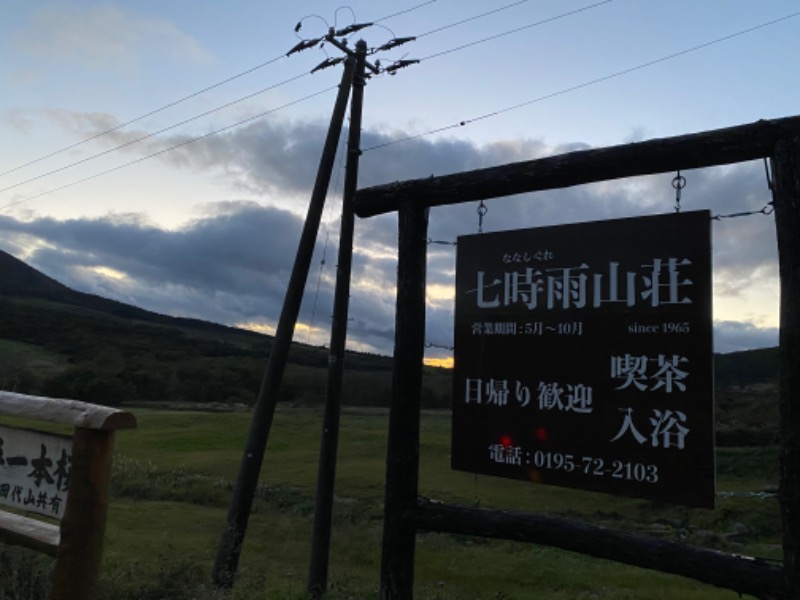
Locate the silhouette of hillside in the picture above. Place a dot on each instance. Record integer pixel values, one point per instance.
(60, 342)
(18, 278)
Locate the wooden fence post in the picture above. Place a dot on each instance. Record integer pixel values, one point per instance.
(402, 459)
(786, 197)
(84, 525)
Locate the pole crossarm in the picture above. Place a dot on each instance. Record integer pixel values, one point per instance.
(663, 155)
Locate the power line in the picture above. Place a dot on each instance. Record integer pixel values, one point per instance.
(405, 63)
(144, 116)
(150, 135)
(185, 121)
(584, 84)
(402, 12)
(170, 149)
(509, 32)
(173, 126)
(329, 224)
(467, 20)
(180, 101)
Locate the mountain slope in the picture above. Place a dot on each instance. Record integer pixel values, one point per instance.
(18, 278)
(59, 342)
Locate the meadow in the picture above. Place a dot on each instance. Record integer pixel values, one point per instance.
(173, 476)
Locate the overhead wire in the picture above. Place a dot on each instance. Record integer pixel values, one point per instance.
(328, 225)
(580, 85)
(206, 113)
(404, 11)
(511, 31)
(180, 101)
(152, 134)
(473, 18)
(144, 116)
(171, 148)
(404, 63)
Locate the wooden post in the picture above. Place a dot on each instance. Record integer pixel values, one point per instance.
(738, 573)
(709, 148)
(402, 461)
(84, 525)
(329, 444)
(786, 198)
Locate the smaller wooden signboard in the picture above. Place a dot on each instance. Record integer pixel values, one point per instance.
(63, 478)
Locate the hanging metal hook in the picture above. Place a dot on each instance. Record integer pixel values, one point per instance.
(678, 182)
(482, 210)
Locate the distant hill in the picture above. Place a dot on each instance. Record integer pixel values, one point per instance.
(747, 367)
(17, 278)
(60, 342)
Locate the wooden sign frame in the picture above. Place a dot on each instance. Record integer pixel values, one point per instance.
(77, 541)
(405, 514)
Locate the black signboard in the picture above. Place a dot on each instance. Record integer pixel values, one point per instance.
(583, 357)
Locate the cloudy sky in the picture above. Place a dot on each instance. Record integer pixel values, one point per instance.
(192, 203)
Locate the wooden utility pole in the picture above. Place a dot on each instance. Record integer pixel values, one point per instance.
(786, 199)
(230, 545)
(321, 536)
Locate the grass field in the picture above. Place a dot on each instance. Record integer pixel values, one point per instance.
(173, 475)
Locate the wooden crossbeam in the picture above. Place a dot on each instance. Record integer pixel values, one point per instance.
(664, 155)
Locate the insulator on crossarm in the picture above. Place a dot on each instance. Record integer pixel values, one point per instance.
(328, 62)
(400, 64)
(394, 42)
(352, 28)
(304, 45)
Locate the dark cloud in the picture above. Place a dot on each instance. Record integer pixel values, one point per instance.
(229, 267)
(232, 265)
(239, 250)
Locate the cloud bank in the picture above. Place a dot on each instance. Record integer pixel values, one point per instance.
(231, 265)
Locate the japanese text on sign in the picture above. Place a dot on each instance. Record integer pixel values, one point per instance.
(589, 367)
(34, 471)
